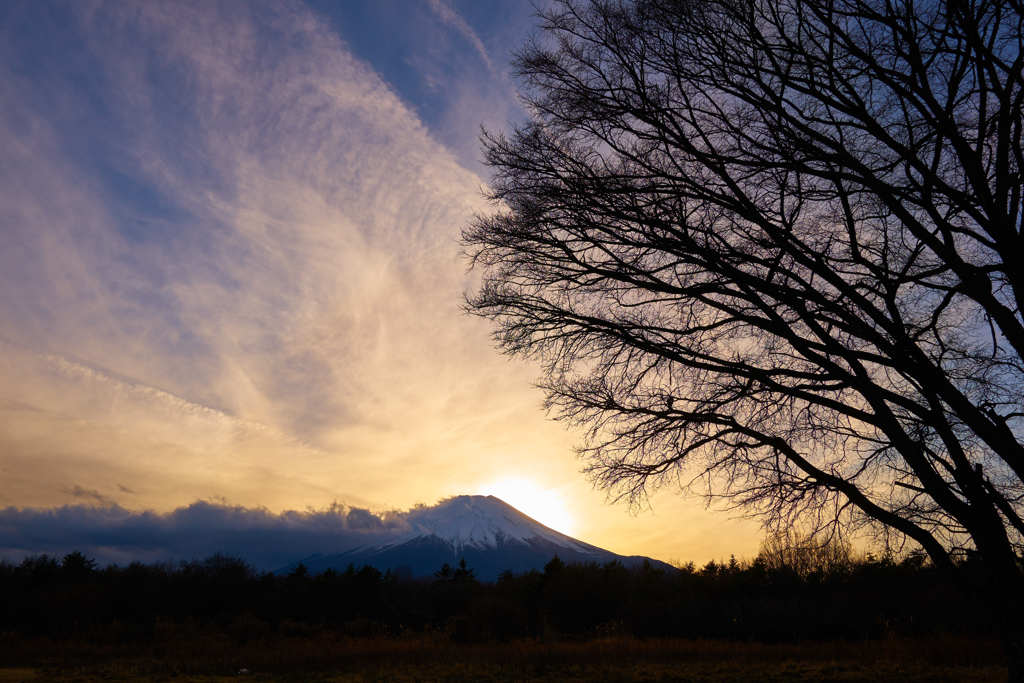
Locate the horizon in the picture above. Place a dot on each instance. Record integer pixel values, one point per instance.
(233, 273)
(112, 535)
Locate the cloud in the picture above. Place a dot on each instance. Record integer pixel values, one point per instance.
(447, 59)
(231, 269)
(267, 540)
(449, 16)
(77, 491)
(230, 266)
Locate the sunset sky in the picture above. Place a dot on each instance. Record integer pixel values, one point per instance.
(230, 273)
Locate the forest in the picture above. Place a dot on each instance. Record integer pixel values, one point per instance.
(68, 613)
(749, 600)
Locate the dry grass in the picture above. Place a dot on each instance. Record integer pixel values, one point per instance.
(324, 656)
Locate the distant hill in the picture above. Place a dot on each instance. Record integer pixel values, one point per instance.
(488, 533)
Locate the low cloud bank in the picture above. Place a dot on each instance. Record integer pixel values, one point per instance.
(114, 535)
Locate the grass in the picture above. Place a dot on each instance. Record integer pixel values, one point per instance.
(176, 655)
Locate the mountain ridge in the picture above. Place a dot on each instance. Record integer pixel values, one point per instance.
(489, 534)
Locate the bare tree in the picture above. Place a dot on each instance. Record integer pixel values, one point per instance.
(773, 249)
(805, 555)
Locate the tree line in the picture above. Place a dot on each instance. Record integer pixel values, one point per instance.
(788, 595)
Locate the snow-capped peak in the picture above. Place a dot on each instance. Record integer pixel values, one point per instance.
(483, 522)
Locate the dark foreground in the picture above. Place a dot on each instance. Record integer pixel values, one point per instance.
(867, 620)
(210, 656)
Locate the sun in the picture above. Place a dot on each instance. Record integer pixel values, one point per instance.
(544, 505)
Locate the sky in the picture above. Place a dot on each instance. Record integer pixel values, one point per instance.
(231, 283)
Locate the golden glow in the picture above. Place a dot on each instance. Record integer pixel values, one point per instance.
(305, 344)
(544, 505)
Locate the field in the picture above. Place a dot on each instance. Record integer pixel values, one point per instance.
(324, 656)
(219, 620)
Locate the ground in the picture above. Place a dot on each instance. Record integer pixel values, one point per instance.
(326, 657)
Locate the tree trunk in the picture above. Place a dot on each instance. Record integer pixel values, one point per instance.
(1013, 644)
(1007, 594)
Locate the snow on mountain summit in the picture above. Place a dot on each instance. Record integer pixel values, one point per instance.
(483, 522)
(487, 533)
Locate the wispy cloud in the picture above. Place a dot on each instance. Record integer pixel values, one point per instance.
(77, 491)
(232, 270)
(449, 16)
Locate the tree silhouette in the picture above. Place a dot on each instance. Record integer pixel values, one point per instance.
(463, 573)
(76, 564)
(788, 550)
(772, 250)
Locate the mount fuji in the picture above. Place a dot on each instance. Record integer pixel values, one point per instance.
(488, 533)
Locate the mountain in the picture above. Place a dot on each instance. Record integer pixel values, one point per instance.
(488, 533)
